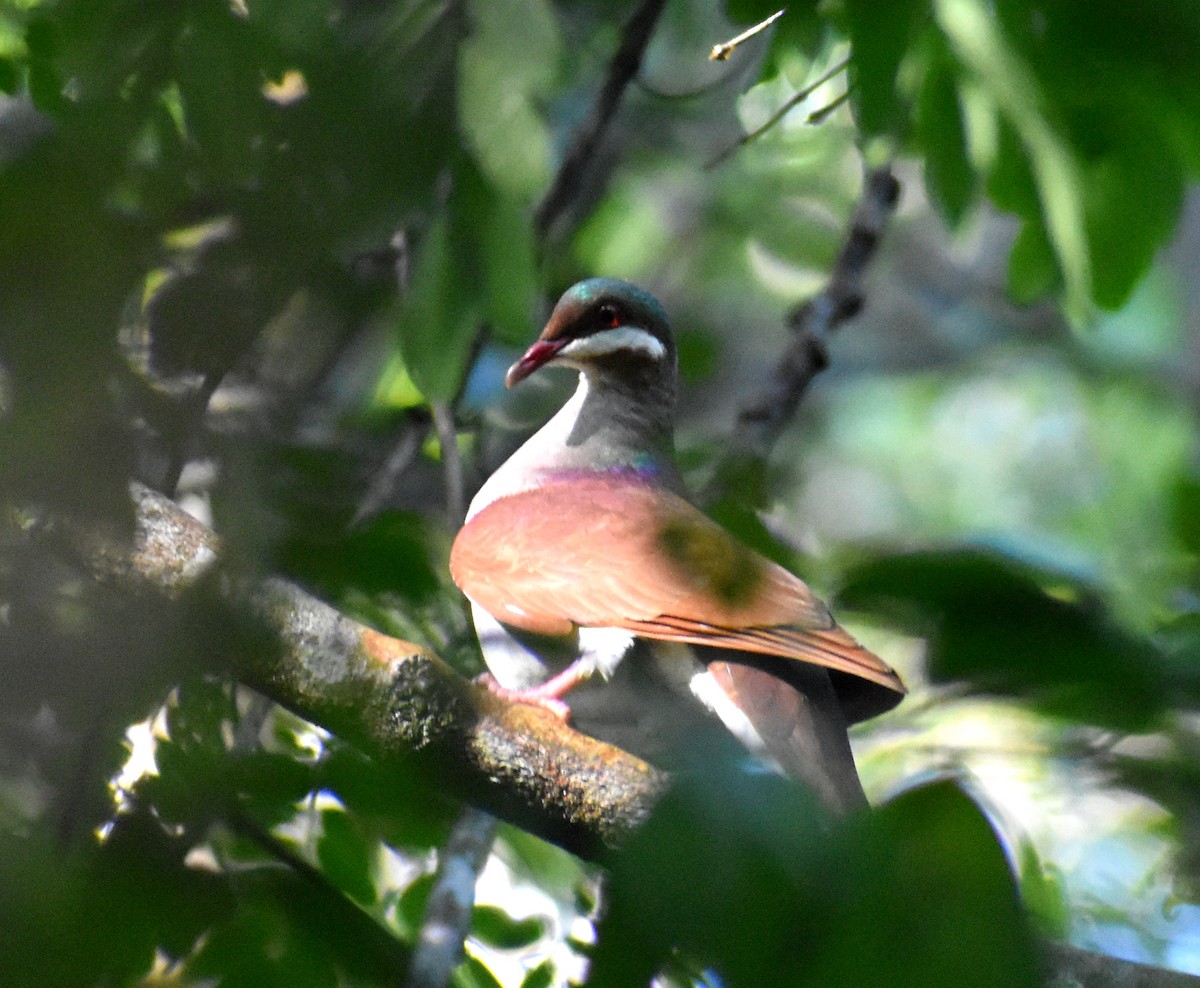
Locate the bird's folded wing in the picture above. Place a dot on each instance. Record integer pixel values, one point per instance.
(614, 551)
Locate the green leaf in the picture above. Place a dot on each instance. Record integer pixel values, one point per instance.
(1008, 629)
(508, 258)
(476, 266)
(441, 313)
(497, 928)
(742, 874)
(1132, 197)
(975, 38)
(880, 37)
(949, 174)
(10, 76)
(1032, 271)
(410, 914)
(399, 799)
(346, 856)
(507, 63)
(473, 973)
(541, 976)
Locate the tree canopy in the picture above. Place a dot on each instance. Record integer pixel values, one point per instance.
(930, 263)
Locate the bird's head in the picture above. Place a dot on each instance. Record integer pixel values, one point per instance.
(602, 324)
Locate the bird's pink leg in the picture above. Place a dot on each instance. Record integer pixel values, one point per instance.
(548, 695)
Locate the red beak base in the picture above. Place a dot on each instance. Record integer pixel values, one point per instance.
(541, 353)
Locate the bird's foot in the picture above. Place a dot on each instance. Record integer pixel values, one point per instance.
(538, 696)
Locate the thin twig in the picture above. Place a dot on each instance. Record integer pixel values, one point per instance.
(385, 479)
(782, 112)
(452, 467)
(761, 420)
(451, 903)
(622, 69)
(722, 51)
(818, 115)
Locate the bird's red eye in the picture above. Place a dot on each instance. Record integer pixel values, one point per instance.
(610, 318)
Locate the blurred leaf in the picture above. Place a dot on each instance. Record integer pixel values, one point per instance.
(410, 914)
(288, 930)
(509, 61)
(1185, 512)
(441, 313)
(475, 266)
(97, 914)
(220, 80)
(473, 973)
(205, 317)
(496, 928)
(270, 785)
(949, 174)
(1042, 892)
(541, 976)
(347, 855)
(508, 258)
(393, 553)
(740, 874)
(984, 51)
(400, 799)
(1173, 781)
(10, 76)
(880, 36)
(993, 624)
(1032, 271)
(1132, 201)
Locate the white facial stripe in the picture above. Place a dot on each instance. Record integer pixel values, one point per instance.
(614, 341)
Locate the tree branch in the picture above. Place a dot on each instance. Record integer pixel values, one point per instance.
(761, 420)
(387, 696)
(622, 69)
(393, 698)
(451, 903)
(1070, 967)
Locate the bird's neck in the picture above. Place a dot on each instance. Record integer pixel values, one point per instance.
(622, 426)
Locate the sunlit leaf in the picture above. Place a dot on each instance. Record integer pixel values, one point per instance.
(497, 928)
(508, 61)
(983, 50)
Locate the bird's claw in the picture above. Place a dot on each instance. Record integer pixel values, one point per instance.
(537, 696)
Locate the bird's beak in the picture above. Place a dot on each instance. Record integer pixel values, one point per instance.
(541, 353)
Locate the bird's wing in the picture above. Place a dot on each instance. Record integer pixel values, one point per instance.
(613, 551)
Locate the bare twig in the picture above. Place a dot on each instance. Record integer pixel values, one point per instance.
(784, 110)
(622, 69)
(385, 479)
(452, 900)
(452, 468)
(820, 114)
(761, 420)
(722, 51)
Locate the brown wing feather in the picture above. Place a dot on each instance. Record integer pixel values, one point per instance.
(614, 551)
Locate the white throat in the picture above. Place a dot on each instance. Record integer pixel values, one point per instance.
(524, 469)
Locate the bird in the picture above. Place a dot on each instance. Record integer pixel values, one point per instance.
(587, 565)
